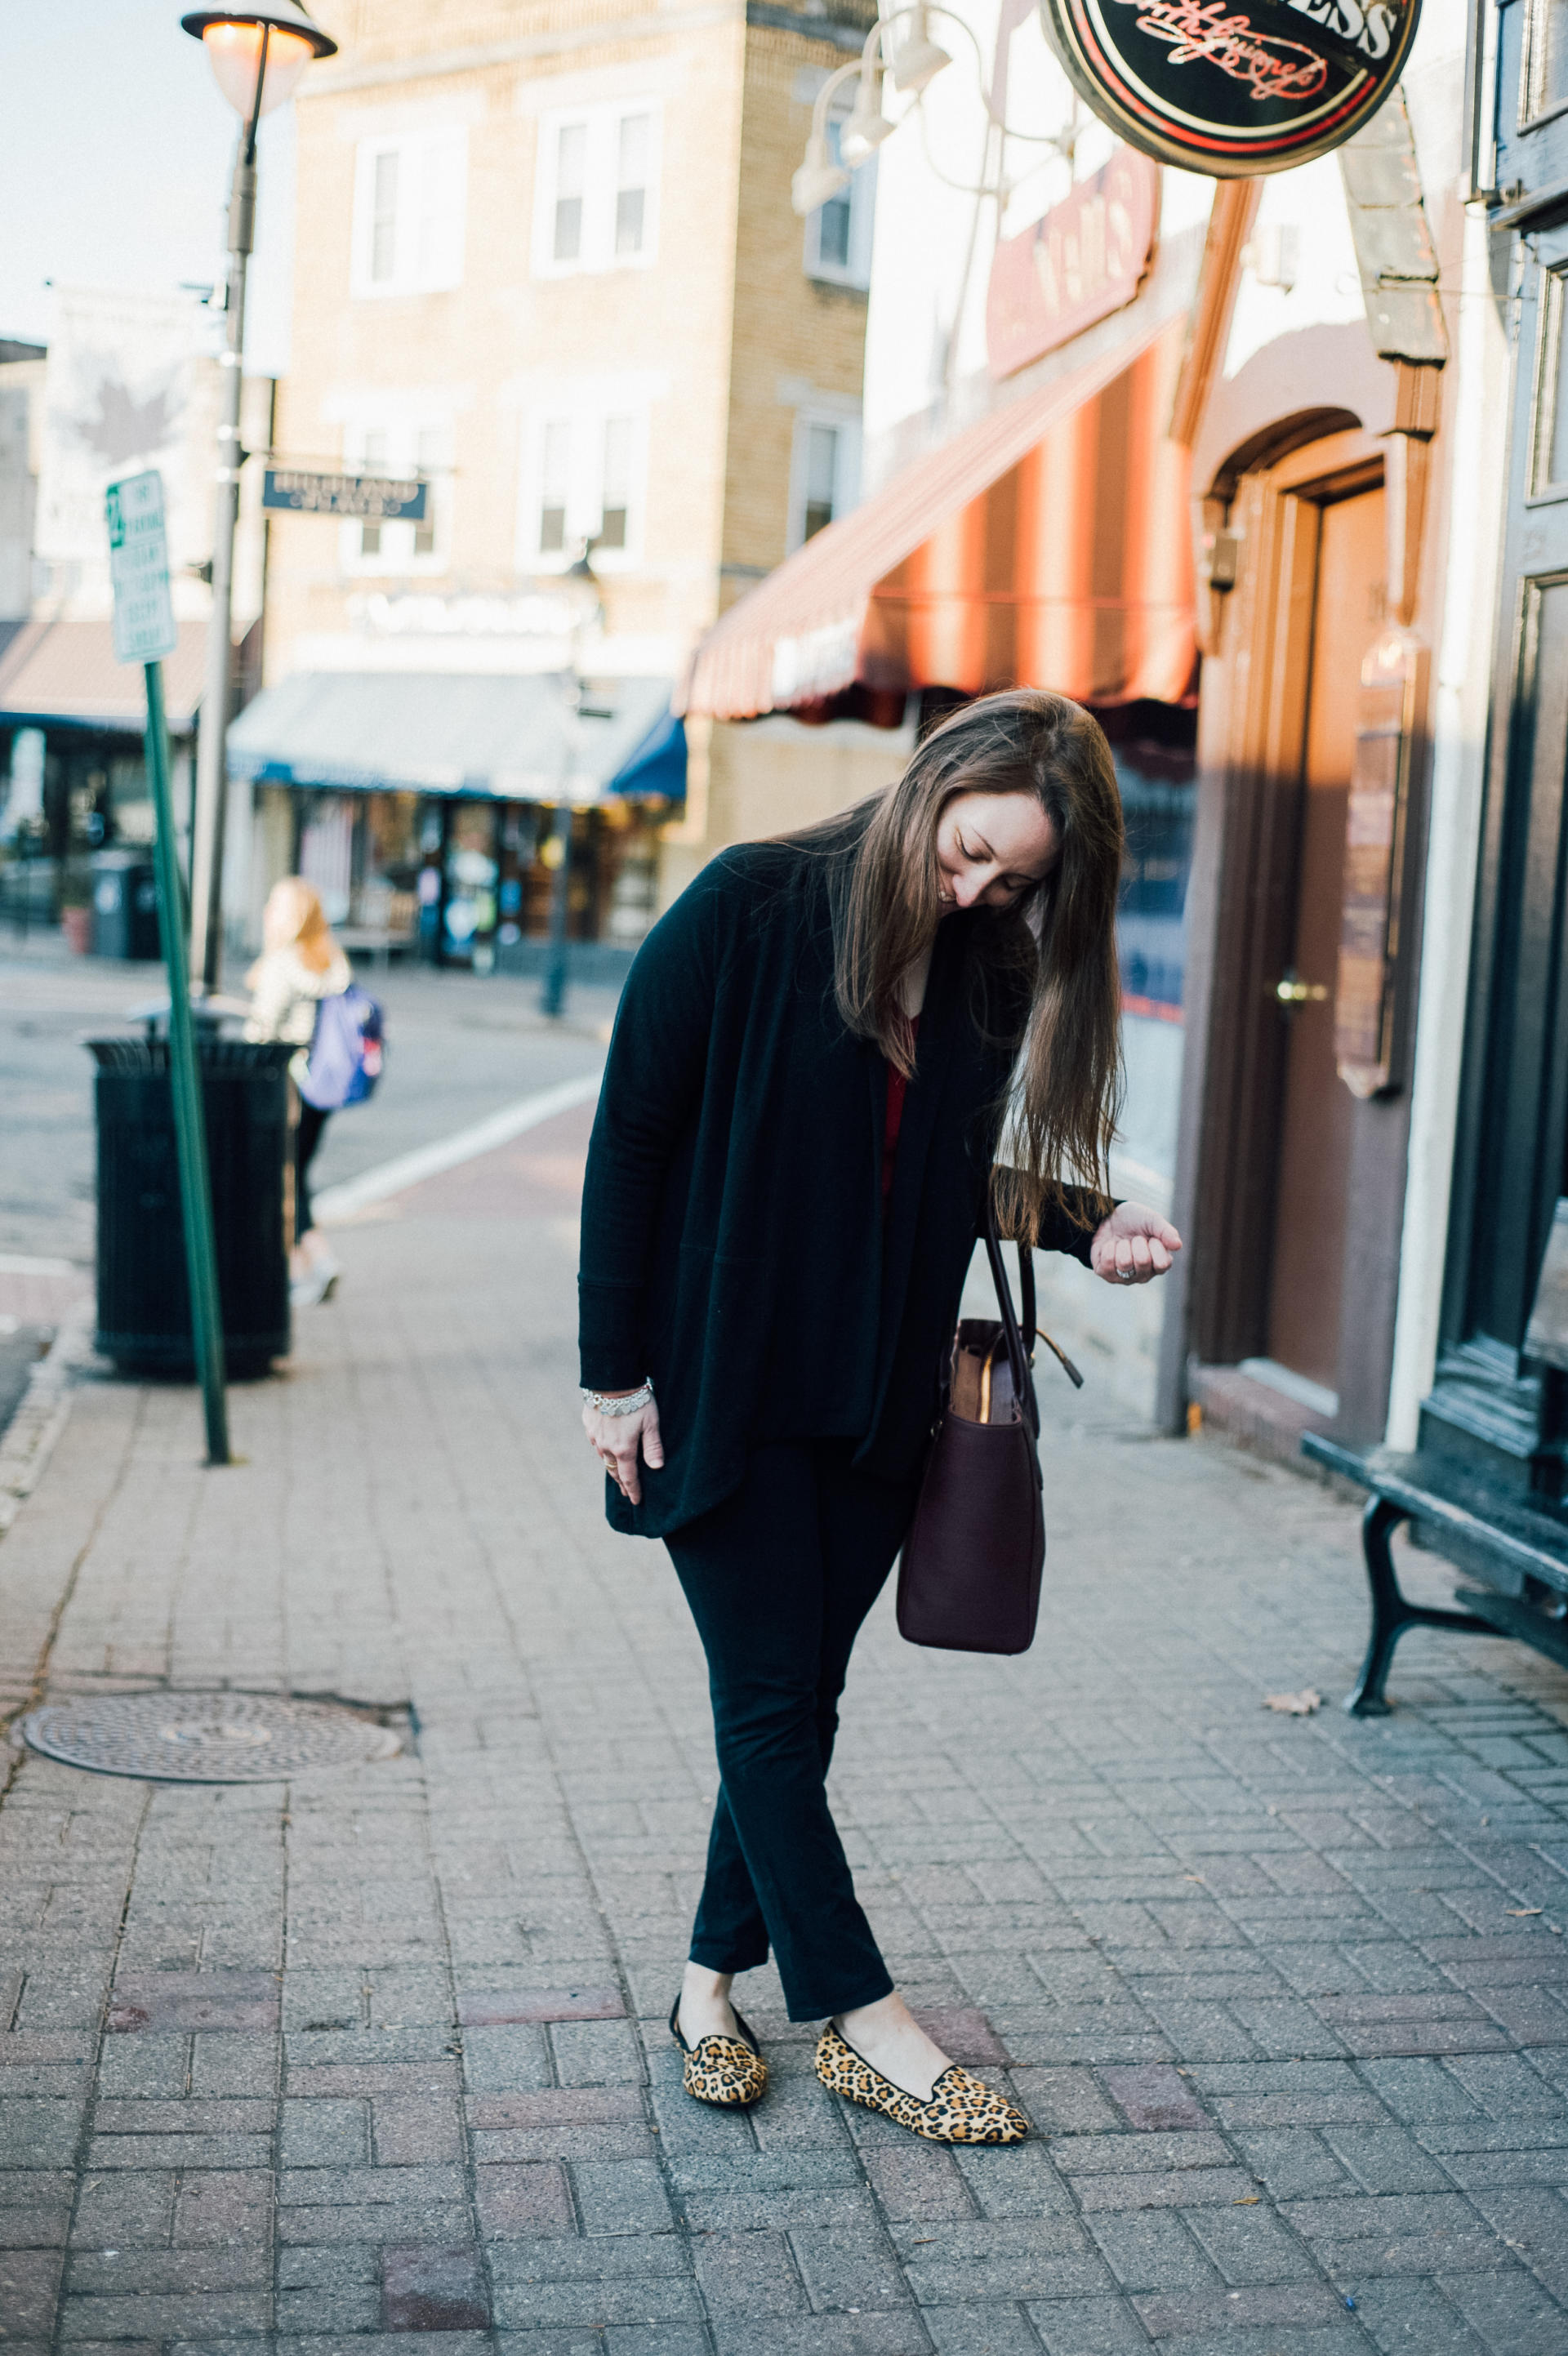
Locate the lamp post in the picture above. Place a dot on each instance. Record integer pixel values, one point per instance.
(589, 621)
(257, 55)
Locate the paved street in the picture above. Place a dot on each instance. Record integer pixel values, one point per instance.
(377, 2061)
(460, 1047)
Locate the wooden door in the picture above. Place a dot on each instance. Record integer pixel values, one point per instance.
(1316, 1122)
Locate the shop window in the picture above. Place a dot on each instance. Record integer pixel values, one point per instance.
(838, 234)
(595, 200)
(824, 472)
(1159, 798)
(410, 207)
(325, 853)
(584, 468)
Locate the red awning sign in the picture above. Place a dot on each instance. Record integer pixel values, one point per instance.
(1083, 260)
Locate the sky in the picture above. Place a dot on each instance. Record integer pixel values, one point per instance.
(115, 153)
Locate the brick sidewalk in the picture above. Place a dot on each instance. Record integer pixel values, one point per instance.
(377, 2062)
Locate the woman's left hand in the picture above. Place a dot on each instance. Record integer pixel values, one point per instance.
(1132, 1244)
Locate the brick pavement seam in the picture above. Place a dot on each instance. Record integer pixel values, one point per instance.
(470, 2170)
(1158, 1836)
(39, 1682)
(89, 2110)
(591, 1880)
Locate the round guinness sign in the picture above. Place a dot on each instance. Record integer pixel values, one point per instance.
(1232, 87)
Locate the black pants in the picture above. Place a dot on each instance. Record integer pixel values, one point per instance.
(306, 1138)
(779, 1577)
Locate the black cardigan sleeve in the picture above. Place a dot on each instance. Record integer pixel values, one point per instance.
(1060, 1232)
(652, 1084)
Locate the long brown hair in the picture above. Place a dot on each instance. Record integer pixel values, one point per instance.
(1059, 938)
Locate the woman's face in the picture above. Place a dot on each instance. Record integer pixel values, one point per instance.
(991, 849)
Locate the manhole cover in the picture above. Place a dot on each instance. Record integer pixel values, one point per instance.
(222, 1737)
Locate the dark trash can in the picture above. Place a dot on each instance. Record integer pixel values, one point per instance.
(144, 1297)
(124, 906)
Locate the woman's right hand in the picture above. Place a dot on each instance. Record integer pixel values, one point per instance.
(618, 1439)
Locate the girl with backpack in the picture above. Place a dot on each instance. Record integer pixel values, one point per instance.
(300, 967)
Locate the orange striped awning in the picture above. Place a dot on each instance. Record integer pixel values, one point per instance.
(1046, 545)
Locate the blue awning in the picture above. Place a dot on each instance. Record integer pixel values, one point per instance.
(659, 765)
(502, 736)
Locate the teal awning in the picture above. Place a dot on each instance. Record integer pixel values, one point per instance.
(503, 736)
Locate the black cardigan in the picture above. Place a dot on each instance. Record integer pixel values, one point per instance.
(733, 1241)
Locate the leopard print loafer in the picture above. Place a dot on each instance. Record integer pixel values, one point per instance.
(961, 2109)
(722, 2070)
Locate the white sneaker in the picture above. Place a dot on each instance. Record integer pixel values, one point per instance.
(307, 1291)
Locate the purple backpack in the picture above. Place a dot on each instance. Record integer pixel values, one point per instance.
(347, 1049)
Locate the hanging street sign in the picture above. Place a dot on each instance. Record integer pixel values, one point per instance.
(1083, 260)
(138, 569)
(372, 498)
(1232, 90)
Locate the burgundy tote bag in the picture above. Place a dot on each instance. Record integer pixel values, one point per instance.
(970, 1578)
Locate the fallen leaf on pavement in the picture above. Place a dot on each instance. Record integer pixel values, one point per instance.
(1300, 1704)
(1521, 1910)
(1248, 2200)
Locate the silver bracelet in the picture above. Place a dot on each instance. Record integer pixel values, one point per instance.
(614, 1407)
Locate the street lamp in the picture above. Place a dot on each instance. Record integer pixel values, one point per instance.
(558, 850)
(257, 55)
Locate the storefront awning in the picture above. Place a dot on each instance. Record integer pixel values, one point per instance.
(657, 765)
(1046, 546)
(64, 674)
(507, 737)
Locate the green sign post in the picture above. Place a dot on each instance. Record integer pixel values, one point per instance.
(145, 632)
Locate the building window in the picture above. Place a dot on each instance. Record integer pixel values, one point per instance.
(584, 465)
(408, 446)
(372, 461)
(824, 475)
(554, 486)
(571, 157)
(632, 142)
(615, 489)
(433, 456)
(838, 235)
(410, 203)
(383, 217)
(595, 202)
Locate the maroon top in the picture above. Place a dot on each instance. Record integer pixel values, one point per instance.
(897, 1087)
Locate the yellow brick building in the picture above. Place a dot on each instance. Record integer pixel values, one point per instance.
(546, 258)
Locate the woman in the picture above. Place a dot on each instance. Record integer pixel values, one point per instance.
(299, 965)
(800, 1116)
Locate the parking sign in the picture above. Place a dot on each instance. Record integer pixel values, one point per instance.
(138, 567)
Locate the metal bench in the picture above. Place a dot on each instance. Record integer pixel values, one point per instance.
(1520, 1554)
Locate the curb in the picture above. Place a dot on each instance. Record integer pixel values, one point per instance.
(29, 1438)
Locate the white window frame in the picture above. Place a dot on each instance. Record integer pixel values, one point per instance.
(421, 156)
(862, 196)
(601, 123)
(846, 424)
(586, 419)
(396, 559)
